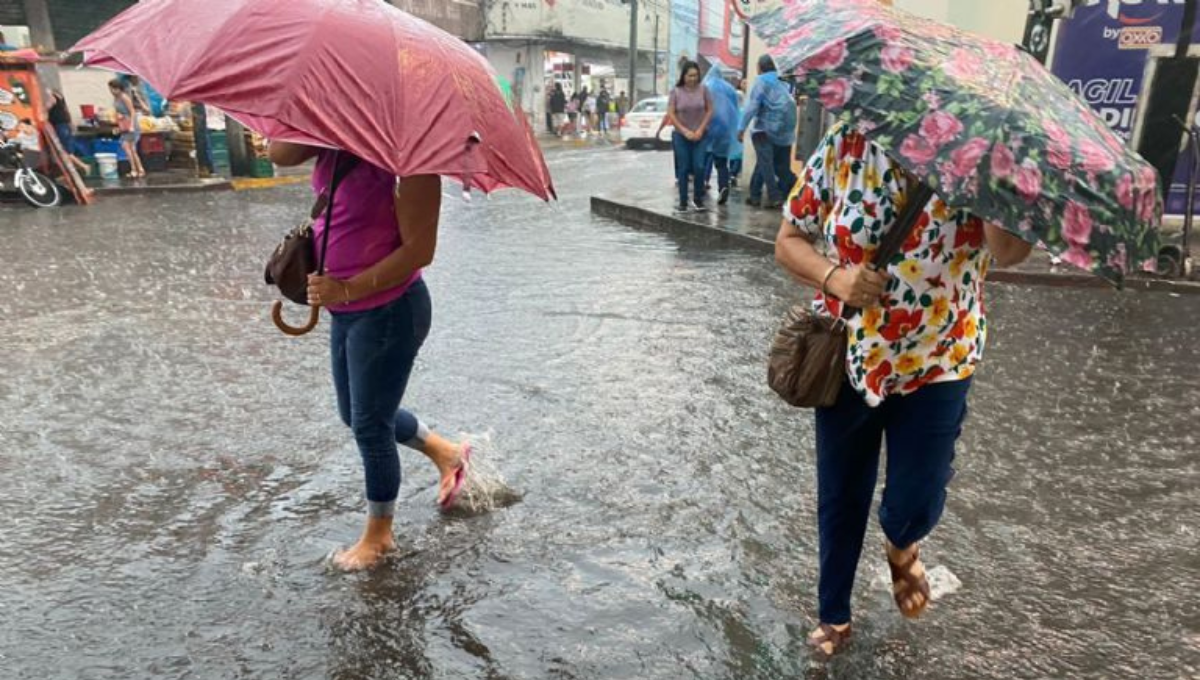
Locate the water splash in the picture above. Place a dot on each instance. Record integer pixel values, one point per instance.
(484, 488)
(942, 581)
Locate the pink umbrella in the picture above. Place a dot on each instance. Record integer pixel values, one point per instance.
(358, 75)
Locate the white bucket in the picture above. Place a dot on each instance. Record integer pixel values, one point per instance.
(107, 163)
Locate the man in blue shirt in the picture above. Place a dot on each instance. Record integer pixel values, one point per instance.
(772, 109)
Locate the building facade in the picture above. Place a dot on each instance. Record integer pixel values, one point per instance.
(463, 18)
(537, 44)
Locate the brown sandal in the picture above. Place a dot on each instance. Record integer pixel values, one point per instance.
(826, 634)
(905, 585)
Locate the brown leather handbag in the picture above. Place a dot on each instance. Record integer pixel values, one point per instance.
(807, 363)
(295, 257)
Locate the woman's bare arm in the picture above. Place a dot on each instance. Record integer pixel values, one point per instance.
(288, 154)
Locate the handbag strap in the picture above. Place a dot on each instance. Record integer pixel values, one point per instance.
(918, 196)
(341, 169)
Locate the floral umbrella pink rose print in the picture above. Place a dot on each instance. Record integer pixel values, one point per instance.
(981, 122)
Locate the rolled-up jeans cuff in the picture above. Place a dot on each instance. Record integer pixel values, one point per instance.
(381, 509)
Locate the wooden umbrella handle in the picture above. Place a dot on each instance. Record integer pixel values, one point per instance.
(314, 315)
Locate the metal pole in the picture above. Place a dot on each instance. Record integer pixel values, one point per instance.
(633, 49)
(655, 75)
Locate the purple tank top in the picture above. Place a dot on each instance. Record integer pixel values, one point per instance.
(363, 229)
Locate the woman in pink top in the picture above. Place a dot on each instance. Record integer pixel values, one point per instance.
(381, 234)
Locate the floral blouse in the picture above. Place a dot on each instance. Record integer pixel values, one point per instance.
(930, 325)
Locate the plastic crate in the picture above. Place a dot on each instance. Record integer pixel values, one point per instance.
(262, 167)
(109, 146)
(220, 161)
(217, 141)
(152, 144)
(154, 162)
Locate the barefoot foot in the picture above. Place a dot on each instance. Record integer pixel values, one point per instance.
(363, 555)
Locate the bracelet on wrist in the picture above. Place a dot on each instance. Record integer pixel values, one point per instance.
(828, 275)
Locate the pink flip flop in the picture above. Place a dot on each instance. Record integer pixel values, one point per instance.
(460, 476)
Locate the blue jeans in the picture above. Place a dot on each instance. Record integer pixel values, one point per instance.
(773, 168)
(373, 352)
(921, 429)
(66, 137)
(689, 161)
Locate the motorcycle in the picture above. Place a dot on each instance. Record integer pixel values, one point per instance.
(15, 175)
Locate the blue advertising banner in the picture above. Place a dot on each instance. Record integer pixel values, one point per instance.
(1102, 53)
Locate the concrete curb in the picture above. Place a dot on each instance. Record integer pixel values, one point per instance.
(635, 216)
(252, 183)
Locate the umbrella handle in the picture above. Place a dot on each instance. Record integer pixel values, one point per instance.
(314, 315)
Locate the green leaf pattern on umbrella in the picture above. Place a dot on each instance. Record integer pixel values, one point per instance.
(982, 122)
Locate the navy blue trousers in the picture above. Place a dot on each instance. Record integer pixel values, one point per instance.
(921, 430)
(373, 352)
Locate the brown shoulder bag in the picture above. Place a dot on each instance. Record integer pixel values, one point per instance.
(295, 257)
(807, 363)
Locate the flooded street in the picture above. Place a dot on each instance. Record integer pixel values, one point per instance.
(173, 474)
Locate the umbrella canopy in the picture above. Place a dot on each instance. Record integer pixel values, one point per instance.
(980, 121)
(358, 75)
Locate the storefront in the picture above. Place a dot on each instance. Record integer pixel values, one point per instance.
(575, 43)
(173, 136)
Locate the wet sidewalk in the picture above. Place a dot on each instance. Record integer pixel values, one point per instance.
(170, 181)
(653, 207)
(186, 181)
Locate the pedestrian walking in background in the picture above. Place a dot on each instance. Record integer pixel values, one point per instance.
(558, 109)
(722, 130)
(690, 108)
(589, 106)
(622, 103)
(913, 350)
(382, 234)
(59, 116)
(603, 101)
(127, 125)
(772, 110)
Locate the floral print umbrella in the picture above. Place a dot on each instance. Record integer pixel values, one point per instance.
(980, 121)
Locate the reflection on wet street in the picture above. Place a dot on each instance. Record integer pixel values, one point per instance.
(173, 475)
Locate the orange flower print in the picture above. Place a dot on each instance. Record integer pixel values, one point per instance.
(871, 178)
(959, 353)
(874, 358)
(970, 328)
(876, 377)
(806, 203)
(901, 322)
(872, 319)
(848, 250)
(917, 236)
(843, 176)
(960, 328)
(908, 364)
(941, 211)
(960, 261)
(939, 312)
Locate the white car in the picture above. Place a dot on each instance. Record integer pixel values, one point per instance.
(643, 120)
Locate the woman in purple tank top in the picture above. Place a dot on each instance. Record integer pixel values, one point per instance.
(381, 234)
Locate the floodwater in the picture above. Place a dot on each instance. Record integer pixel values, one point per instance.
(173, 475)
